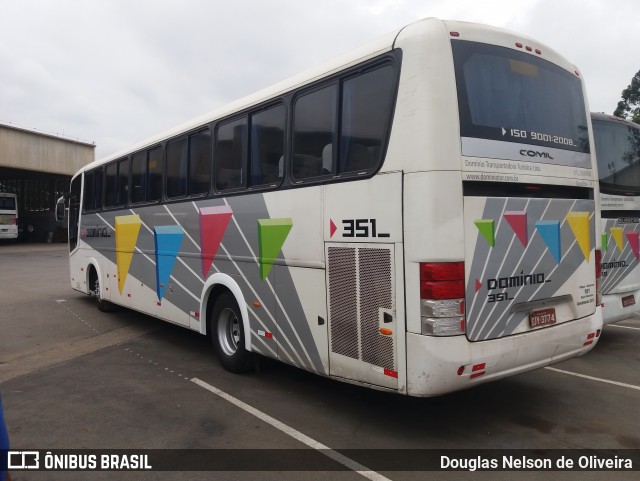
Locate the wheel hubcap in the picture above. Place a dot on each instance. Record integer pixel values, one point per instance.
(228, 331)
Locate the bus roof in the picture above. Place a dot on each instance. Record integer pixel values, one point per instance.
(613, 118)
(354, 56)
(471, 31)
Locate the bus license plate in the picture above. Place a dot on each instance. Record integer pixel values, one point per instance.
(628, 301)
(543, 317)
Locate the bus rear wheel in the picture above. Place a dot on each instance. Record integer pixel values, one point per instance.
(103, 305)
(227, 334)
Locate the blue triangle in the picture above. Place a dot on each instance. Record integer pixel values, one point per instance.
(167, 240)
(549, 230)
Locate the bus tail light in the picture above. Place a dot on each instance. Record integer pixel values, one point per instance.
(598, 275)
(442, 298)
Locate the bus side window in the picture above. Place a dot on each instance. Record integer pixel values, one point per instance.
(123, 182)
(177, 165)
(267, 145)
(154, 175)
(111, 182)
(367, 100)
(87, 201)
(98, 188)
(231, 154)
(314, 127)
(199, 162)
(139, 177)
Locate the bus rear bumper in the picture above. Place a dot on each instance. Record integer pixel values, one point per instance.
(614, 309)
(8, 232)
(440, 365)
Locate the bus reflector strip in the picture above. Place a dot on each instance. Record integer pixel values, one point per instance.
(478, 367)
(262, 333)
(590, 338)
(385, 371)
(477, 374)
(195, 315)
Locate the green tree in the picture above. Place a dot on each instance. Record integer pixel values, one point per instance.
(629, 107)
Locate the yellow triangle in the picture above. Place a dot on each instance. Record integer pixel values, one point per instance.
(616, 233)
(127, 229)
(579, 222)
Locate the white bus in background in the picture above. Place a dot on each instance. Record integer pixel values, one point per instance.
(417, 215)
(617, 143)
(8, 216)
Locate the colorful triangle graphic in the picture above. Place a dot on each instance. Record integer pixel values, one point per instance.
(616, 233)
(632, 237)
(271, 236)
(518, 222)
(167, 240)
(549, 230)
(127, 230)
(605, 242)
(485, 226)
(213, 224)
(478, 285)
(579, 223)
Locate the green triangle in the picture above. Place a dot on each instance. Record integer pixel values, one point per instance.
(604, 243)
(485, 226)
(271, 236)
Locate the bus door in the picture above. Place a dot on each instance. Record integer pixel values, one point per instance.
(362, 228)
(362, 306)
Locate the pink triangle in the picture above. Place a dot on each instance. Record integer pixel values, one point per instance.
(478, 285)
(332, 228)
(632, 237)
(518, 222)
(213, 224)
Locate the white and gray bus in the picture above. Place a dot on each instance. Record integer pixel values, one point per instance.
(8, 216)
(417, 215)
(617, 143)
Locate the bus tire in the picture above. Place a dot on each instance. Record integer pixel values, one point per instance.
(227, 334)
(102, 304)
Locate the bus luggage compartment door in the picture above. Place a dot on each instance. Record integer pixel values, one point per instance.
(362, 320)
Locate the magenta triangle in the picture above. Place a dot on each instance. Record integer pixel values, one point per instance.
(478, 285)
(213, 224)
(332, 228)
(518, 222)
(632, 237)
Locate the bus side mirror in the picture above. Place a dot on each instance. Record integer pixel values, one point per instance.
(60, 211)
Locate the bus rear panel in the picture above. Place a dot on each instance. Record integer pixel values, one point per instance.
(521, 292)
(8, 216)
(617, 144)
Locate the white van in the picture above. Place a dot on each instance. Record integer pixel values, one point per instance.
(8, 216)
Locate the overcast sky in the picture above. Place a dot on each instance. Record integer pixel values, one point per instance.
(115, 72)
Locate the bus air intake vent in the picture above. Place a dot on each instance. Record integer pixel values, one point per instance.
(360, 284)
(375, 293)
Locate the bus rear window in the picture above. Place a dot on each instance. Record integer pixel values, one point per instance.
(618, 154)
(7, 203)
(511, 96)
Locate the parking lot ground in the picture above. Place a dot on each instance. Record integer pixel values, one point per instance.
(73, 377)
